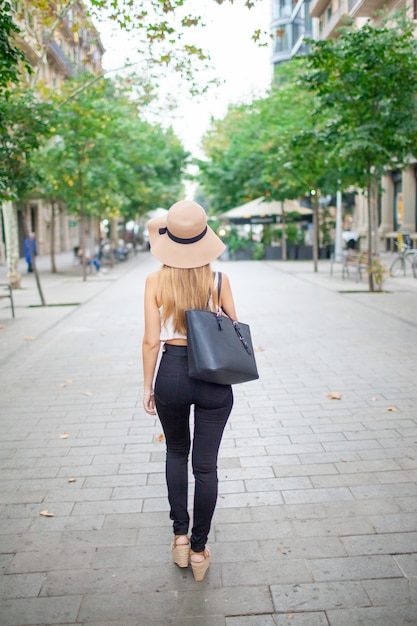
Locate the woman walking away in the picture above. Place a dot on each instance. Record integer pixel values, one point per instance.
(186, 246)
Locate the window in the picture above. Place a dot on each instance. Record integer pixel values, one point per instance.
(282, 8)
(283, 38)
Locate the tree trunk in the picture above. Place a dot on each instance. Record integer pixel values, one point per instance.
(32, 255)
(53, 264)
(12, 244)
(284, 235)
(82, 245)
(370, 235)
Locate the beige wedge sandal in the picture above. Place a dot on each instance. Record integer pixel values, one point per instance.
(200, 567)
(180, 551)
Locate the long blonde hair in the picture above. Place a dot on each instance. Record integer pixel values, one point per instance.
(182, 289)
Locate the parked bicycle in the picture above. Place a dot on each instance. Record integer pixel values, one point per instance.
(406, 257)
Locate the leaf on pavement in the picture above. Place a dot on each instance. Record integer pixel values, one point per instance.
(29, 338)
(334, 395)
(392, 408)
(64, 435)
(87, 393)
(72, 480)
(160, 437)
(68, 381)
(46, 514)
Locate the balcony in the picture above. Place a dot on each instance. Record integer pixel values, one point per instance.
(354, 8)
(318, 7)
(58, 56)
(335, 22)
(364, 8)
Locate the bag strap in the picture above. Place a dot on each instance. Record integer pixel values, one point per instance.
(219, 288)
(235, 324)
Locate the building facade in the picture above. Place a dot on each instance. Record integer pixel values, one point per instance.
(291, 25)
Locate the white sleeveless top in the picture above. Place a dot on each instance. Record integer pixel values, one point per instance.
(167, 327)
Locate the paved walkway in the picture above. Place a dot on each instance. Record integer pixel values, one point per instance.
(316, 521)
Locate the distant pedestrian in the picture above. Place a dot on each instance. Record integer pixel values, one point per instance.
(90, 260)
(30, 250)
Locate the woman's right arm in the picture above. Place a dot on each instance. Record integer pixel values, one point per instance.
(150, 343)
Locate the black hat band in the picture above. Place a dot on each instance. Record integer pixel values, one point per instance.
(163, 231)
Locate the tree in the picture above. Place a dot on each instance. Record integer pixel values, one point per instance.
(365, 83)
(104, 160)
(24, 125)
(245, 151)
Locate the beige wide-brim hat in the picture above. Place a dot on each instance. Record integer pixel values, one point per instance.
(182, 238)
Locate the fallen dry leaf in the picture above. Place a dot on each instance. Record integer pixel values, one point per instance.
(68, 381)
(290, 616)
(46, 514)
(392, 408)
(29, 338)
(87, 393)
(160, 437)
(72, 480)
(64, 435)
(334, 395)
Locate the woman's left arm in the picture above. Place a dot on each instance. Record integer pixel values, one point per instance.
(150, 343)
(226, 298)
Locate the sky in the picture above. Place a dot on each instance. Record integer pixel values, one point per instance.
(243, 67)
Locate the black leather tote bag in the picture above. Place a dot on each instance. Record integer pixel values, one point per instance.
(219, 349)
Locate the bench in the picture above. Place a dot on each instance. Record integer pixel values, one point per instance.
(356, 261)
(7, 292)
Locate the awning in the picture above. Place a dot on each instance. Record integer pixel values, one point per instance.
(260, 211)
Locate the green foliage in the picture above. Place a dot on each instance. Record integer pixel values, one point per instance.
(11, 57)
(236, 242)
(379, 272)
(292, 233)
(104, 159)
(25, 123)
(249, 151)
(258, 251)
(364, 83)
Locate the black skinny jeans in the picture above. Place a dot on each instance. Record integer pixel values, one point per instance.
(175, 392)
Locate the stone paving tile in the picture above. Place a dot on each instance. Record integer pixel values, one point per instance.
(40, 611)
(302, 619)
(378, 616)
(319, 596)
(354, 568)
